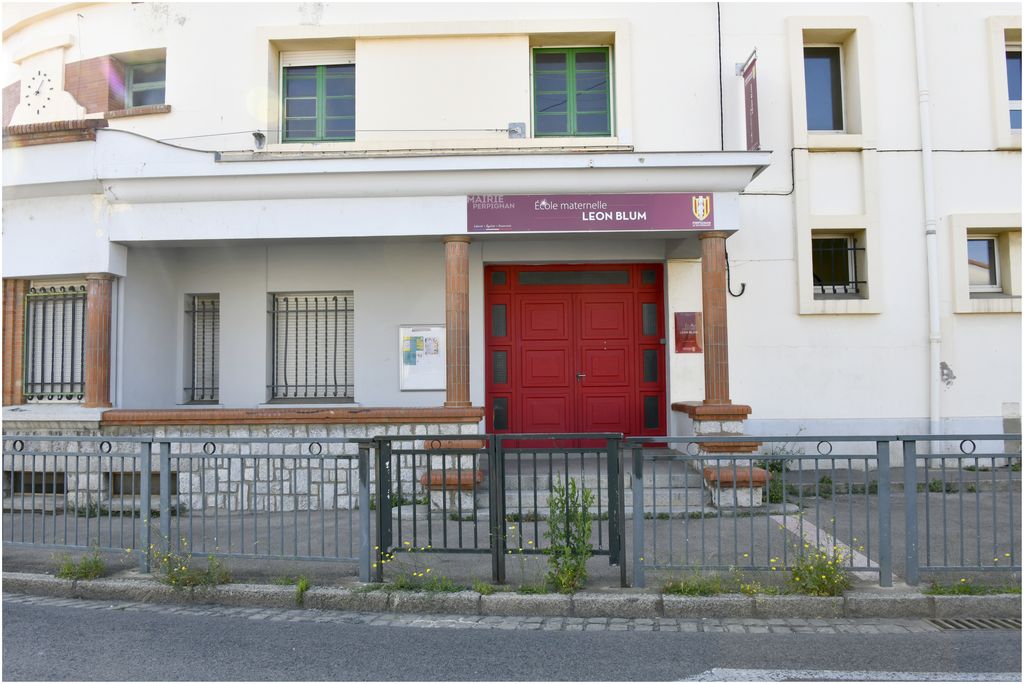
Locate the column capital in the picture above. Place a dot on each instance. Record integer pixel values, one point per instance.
(714, 234)
(99, 276)
(456, 238)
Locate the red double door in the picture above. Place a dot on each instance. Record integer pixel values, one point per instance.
(575, 348)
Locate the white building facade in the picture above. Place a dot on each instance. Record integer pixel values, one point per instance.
(514, 217)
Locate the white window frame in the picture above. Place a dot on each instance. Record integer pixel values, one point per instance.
(1014, 105)
(994, 239)
(842, 88)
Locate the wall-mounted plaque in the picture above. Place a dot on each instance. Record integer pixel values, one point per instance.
(421, 357)
(689, 332)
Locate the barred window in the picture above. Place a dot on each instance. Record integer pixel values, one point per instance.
(313, 342)
(203, 315)
(55, 343)
(837, 261)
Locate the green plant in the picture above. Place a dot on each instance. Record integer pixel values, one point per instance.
(696, 585)
(568, 532)
(1015, 467)
(938, 486)
(90, 566)
(540, 588)
(465, 517)
(819, 570)
(440, 583)
(966, 588)
(483, 588)
(175, 568)
(301, 587)
(753, 588)
(663, 516)
(824, 488)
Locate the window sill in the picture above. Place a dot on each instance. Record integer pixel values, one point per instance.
(835, 141)
(138, 111)
(982, 303)
(407, 147)
(839, 305)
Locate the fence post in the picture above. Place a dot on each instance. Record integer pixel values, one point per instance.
(614, 453)
(639, 580)
(621, 524)
(364, 512)
(145, 473)
(165, 495)
(496, 492)
(884, 515)
(910, 496)
(383, 503)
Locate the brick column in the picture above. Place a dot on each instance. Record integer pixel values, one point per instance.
(456, 315)
(99, 291)
(15, 290)
(716, 332)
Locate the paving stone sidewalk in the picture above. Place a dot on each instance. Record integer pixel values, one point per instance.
(704, 625)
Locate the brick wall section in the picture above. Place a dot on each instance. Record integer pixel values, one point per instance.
(456, 307)
(50, 132)
(716, 333)
(12, 97)
(14, 340)
(97, 84)
(99, 289)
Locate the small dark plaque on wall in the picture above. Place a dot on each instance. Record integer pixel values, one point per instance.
(689, 332)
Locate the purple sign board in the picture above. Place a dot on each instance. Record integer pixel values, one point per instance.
(750, 103)
(576, 213)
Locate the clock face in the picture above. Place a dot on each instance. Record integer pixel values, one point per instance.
(39, 91)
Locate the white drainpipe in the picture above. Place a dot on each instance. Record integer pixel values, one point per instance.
(930, 223)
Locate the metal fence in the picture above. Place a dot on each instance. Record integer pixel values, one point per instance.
(962, 504)
(667, 503)
(705, 511)
(255, 498)
(490, 494)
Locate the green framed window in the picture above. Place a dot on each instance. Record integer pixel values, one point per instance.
(572, 92)
(319, 102)
(145, 84)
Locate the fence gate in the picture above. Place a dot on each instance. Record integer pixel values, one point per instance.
(490, 494)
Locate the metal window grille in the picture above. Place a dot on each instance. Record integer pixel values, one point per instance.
(204, 313)
(55, 343)
(313, 342)
(834, 263)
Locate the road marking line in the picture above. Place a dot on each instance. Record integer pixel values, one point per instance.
(719, 674)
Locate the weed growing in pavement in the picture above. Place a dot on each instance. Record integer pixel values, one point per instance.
(568, 532)
(819, 570)
(776, 465)
(175, 568)
(483, 588)
(413, 575)
(88, 567)
(965, 587)
(301, 584)
(527, 578)
(698, 584)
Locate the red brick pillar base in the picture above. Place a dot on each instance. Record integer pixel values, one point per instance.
(99, 304)
(456, 314)
(15, 290)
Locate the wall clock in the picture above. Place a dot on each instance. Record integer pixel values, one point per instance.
(39, 91)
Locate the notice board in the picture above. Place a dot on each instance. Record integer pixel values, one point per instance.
(421, 357)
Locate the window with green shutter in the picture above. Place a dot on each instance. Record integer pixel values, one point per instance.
(319, 103)
(571, 92)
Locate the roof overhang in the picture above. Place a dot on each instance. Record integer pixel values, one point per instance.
(129, 168)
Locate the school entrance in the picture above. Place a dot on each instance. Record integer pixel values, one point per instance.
(575, 348)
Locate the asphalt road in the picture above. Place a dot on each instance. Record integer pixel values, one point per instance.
(81, 640)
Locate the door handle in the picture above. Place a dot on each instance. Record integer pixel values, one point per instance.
(580, 376)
